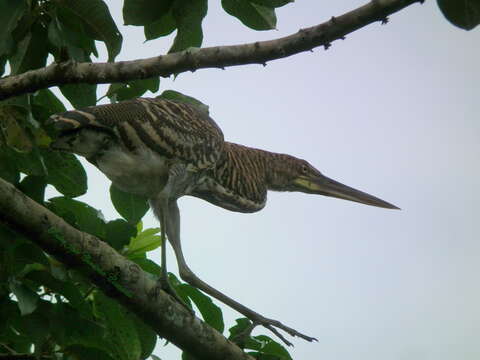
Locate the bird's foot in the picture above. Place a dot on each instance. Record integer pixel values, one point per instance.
(274, 325)
(168, 288)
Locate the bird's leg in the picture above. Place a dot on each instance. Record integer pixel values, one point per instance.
(165, 284)
(173, 234)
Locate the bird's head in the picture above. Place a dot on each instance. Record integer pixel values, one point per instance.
(291, 174)
(86, 141)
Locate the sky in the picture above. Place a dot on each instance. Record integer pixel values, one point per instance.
(392, 111)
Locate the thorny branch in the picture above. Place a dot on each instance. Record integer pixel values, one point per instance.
(212, 57)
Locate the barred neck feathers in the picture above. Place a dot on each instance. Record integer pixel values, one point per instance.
(238, 180)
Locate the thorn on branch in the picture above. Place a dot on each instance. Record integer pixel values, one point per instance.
(343, 37)
(421, 1)
(333, 20)
(303, 33)
(264, 64)
(189, 55)
(385, 20)
(142, 72)
(326, 46)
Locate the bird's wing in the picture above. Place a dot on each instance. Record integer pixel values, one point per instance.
(171, 129)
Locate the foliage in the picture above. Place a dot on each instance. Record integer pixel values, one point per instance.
(46, 309)
(464, 14)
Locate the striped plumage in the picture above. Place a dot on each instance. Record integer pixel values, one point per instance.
(171, 129)
(164, 149)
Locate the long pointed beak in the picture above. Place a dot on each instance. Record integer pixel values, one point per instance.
(323, 185)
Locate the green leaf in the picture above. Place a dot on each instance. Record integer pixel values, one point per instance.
(34, 187)
(69, 327)
(179, 289)
(179, 97)
(36, 326)
(28, 268)
(29, 253)
(8, 167)
(145, 241)
(121, 329)
(65, 173)
(252, 14)
(271, 347)
(98, 22)
(211, 313)
(14, 126)
(273, 3)
(143, 12)
(31, 52)
(188, 17)
(133, 89)
(239, 327)
(80, 215)
(58, 270)
(84, 352)
(80, 95)
(46, 103)
(146, 335)
(148, 265)
(30, 163)
(465, 13)
(68, 30)
(42, 277)
(131, 207)
(187, 356)
(161, 27)
(12, 11)
(119, 233)
(3, 62)
(8, 311)
(27, 299)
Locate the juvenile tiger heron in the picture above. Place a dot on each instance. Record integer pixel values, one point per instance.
(164, 149)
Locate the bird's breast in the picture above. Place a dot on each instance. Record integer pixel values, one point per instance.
(143, 172)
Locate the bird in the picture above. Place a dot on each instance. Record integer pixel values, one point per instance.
(165, 149)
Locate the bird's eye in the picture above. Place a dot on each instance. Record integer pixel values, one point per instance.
(304, 169)
(71, 140)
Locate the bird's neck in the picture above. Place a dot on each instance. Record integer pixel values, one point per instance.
(240, 179)
(254, 167)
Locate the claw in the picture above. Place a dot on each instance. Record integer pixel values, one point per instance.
(273, 324)
(168, 288)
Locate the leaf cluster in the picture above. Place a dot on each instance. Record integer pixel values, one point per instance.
(48, 310)
(464, 14)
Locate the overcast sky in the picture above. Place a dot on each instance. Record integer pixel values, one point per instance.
(393, 111)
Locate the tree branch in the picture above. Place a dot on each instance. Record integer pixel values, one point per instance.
(193, 59)
(115, 275)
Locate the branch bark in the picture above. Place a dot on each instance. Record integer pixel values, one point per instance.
(213, 57)
(115, 275)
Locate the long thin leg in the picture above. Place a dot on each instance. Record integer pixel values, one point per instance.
(164, 274)
(165, 284)
(173, 234)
